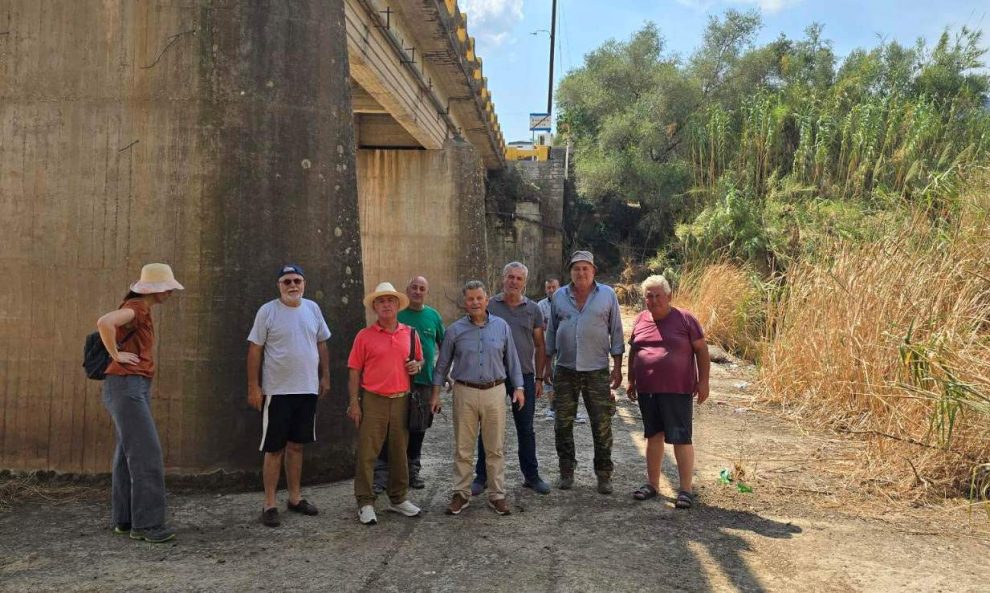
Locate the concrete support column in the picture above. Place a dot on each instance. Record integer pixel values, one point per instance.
(423, 213)
(215, 138)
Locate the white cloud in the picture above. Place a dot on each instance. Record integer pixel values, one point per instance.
(765, 6)
(491, 20)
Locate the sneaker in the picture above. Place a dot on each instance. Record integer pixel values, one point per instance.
(303, 506)
(378, 488)
(122, 528)
(581, 418)
(269, 517)
(457, 504)
(366, 515)
(550, 414)
(537, 485)
(477, 488)
(416, 482)
(405, 508)
(500, 506)
(604, 485)
(156, 535)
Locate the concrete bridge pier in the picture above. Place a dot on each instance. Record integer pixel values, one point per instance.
(423, 213)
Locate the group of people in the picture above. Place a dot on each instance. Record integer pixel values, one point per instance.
(506, 348)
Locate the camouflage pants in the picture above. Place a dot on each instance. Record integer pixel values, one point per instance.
(569, 385)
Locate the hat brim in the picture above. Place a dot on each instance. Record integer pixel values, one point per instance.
(403, 299)
(577, 261)
(155, 287)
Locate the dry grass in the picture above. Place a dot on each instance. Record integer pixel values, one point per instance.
(728, 302)
(29, 489)
(891, 341)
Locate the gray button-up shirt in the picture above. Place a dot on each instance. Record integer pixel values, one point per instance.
(522, 319)
(480, 354)
(584, 339)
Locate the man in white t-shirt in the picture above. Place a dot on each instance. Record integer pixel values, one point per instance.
(291, 336)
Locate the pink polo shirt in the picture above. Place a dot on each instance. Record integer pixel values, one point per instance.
(381, 357)
(664, 352)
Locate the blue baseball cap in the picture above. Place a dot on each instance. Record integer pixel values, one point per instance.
(290, 269)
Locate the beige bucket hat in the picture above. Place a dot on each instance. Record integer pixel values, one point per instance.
(156, 278)
(386, 289)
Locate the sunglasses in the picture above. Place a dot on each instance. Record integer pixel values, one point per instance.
(291, 281)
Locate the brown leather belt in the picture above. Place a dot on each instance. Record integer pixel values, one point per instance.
(480, 385)
(388, 395)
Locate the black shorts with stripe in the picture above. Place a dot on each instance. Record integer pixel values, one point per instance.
(667, 413)
(288, 418)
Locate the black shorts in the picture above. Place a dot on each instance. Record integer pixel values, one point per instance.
(287, 418)
(669, 413)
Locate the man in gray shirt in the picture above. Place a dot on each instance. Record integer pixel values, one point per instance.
(584, 329)
(483, 355)
(526, 321)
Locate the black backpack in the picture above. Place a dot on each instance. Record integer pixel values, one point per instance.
(96, 359)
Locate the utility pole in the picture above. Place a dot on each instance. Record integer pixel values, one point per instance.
(553, 32)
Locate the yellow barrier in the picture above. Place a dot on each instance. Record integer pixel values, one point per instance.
(537, 153)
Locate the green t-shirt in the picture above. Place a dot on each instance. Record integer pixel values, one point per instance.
(429, 326)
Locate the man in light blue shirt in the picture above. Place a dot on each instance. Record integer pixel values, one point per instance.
(583, 331)
(483, 354)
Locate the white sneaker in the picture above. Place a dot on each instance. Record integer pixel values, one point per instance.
(581, 418)
(550, 414)
(406, 508)
(366, 515)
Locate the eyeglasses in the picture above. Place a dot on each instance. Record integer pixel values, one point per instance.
(291, 281)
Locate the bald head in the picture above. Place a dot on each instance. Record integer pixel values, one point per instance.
(416, 290)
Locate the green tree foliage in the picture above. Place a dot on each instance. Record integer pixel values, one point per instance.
(760, 152)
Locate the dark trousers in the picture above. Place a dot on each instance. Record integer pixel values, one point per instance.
(524, 432)
(138, 491)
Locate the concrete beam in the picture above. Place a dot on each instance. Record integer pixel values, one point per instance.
(362, 101)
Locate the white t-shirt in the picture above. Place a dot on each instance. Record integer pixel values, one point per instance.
(289, 336)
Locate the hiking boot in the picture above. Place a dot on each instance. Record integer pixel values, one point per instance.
(366, 515)
(604, 485)
(303, 506)
(500, 506)
(269, 517)
(416, 482)
(156, 535)
(405, 508)
(477, 488)
(378, 488)
(457, 504)
(566, 481)
(537, 485)
(122, 528)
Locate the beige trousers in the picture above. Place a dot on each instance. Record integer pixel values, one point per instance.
(382, 419)
(484, 408)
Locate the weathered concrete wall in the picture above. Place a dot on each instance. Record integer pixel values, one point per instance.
(533, 233)
(423, 213)
(215, 136)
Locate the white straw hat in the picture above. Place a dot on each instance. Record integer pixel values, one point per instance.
(386, 289)
(156, 278)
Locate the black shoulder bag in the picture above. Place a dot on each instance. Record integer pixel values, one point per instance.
(96, 359)
(420, 415)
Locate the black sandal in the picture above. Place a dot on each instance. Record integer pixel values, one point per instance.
(685, 500)
(645, 492)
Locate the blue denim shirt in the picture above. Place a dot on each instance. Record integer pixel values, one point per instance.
(479, 354)
(584, 340)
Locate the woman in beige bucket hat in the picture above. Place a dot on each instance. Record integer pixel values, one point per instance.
(128, 333)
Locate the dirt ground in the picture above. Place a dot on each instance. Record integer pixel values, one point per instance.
(807, 526)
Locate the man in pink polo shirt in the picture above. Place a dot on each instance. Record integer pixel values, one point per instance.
(382, 360)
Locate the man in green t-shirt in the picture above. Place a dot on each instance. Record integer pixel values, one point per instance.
(429, 325)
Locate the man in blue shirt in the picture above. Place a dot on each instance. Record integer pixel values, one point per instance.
(483, 355)
(583, 331)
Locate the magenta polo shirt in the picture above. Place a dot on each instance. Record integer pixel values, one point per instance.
(664, 356)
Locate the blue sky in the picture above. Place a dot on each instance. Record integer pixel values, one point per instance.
(515, 60)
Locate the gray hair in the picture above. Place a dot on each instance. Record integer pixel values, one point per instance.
(473, 285)
(656, 280)
(515, 265)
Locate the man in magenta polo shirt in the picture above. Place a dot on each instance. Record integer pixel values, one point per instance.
(668, 366)
(382, 359)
